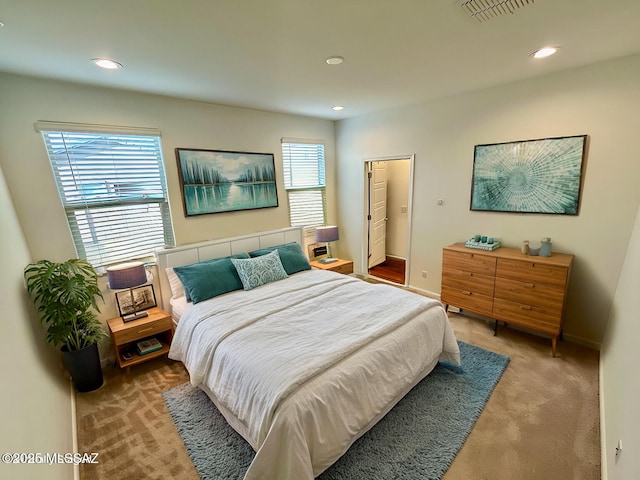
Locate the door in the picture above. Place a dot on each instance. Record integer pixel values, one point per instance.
(377, 213)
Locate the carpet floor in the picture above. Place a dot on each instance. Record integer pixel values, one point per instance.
(419, 438)
(541, 421)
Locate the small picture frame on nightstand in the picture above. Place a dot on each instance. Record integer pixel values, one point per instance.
(144, 298)
(317, 251)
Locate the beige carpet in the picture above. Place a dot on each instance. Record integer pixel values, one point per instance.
(542, 421)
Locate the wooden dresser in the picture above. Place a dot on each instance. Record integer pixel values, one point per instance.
(509, 286)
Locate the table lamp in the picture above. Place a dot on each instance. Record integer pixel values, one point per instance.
(326, 235)
(128, 275)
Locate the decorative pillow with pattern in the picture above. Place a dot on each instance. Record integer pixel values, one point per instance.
(254, 272)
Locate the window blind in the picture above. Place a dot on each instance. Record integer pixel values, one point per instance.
(113, 189)
(304, 180)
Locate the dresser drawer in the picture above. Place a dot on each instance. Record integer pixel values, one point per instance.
(467, 300)
(530, 316)
(467, 281)
(532, 272)
(547, 298)
(469, 262)
(146, 330)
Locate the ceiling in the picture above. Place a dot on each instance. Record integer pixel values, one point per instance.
(270, 54)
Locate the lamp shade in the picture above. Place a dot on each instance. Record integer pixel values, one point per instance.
(126, 275)
(327, 234)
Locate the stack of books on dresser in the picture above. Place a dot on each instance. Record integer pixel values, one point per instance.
(147, 346)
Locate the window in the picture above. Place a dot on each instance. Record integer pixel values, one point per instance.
(113, 189)
(304, 180)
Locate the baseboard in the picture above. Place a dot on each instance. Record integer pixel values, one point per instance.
(74, 430)
(109, 361)
(581, 341)
(426, 293)
(603, 429)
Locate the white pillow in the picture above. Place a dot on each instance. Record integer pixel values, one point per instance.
(177, 290)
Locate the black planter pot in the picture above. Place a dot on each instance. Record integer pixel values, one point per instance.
(84, 367)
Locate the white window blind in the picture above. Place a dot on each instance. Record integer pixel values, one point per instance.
(113, 189)
(304, 180)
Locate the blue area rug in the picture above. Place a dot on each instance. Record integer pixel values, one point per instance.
(417, 439)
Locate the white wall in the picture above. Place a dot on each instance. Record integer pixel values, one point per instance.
(184, 124)
(35, 404)
(599, 100)
(619, 381)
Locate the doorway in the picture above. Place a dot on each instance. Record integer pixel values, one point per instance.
(388, 205)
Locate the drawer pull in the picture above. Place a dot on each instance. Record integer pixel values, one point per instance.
(470, 274)
(468, 293)
(526, 307)
(529, 285)
(145, 330)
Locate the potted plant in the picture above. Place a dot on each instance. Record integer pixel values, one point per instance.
(65, 295)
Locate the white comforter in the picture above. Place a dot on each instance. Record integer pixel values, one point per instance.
(309, 363)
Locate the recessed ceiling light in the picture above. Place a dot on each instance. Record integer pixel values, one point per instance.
(106, 63)
(335, 60)
(337, 108)
(545, 52)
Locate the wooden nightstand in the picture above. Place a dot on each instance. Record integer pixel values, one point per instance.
(125, 335)
(340, 266)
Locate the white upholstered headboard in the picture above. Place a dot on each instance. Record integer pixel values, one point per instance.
(198, 252)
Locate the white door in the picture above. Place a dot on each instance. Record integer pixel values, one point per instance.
(378, 213)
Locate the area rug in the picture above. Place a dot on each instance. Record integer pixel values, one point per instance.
(417, 439)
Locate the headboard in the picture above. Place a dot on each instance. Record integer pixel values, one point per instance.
(198, 252)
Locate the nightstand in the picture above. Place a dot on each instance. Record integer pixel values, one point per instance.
(339, 266)
(124, 336)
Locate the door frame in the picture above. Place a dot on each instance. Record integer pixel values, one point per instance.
(365, 206)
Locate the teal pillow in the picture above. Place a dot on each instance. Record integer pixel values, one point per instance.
(208, 279)
(293, 260)
(261, 270)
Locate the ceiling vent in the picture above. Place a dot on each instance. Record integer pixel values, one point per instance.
(483, 10)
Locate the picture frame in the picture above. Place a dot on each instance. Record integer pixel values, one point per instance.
(317, 251)
(144, 296)
(216, 181)
(542, 176)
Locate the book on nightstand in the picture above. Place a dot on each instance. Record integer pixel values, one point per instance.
(147, 346)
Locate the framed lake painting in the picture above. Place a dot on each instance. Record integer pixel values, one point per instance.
(529, 176)
(214, 181)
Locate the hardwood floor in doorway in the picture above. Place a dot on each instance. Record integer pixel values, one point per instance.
(392, 269)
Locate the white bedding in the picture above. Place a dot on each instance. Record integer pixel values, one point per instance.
(303, 366)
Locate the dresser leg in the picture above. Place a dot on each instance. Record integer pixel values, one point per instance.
(554, 342)
(495, 329)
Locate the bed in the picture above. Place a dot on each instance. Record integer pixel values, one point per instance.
(303, 364)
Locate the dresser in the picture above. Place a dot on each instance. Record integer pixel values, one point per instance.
(506, 285)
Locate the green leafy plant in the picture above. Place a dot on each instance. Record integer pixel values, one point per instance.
(65, 295)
